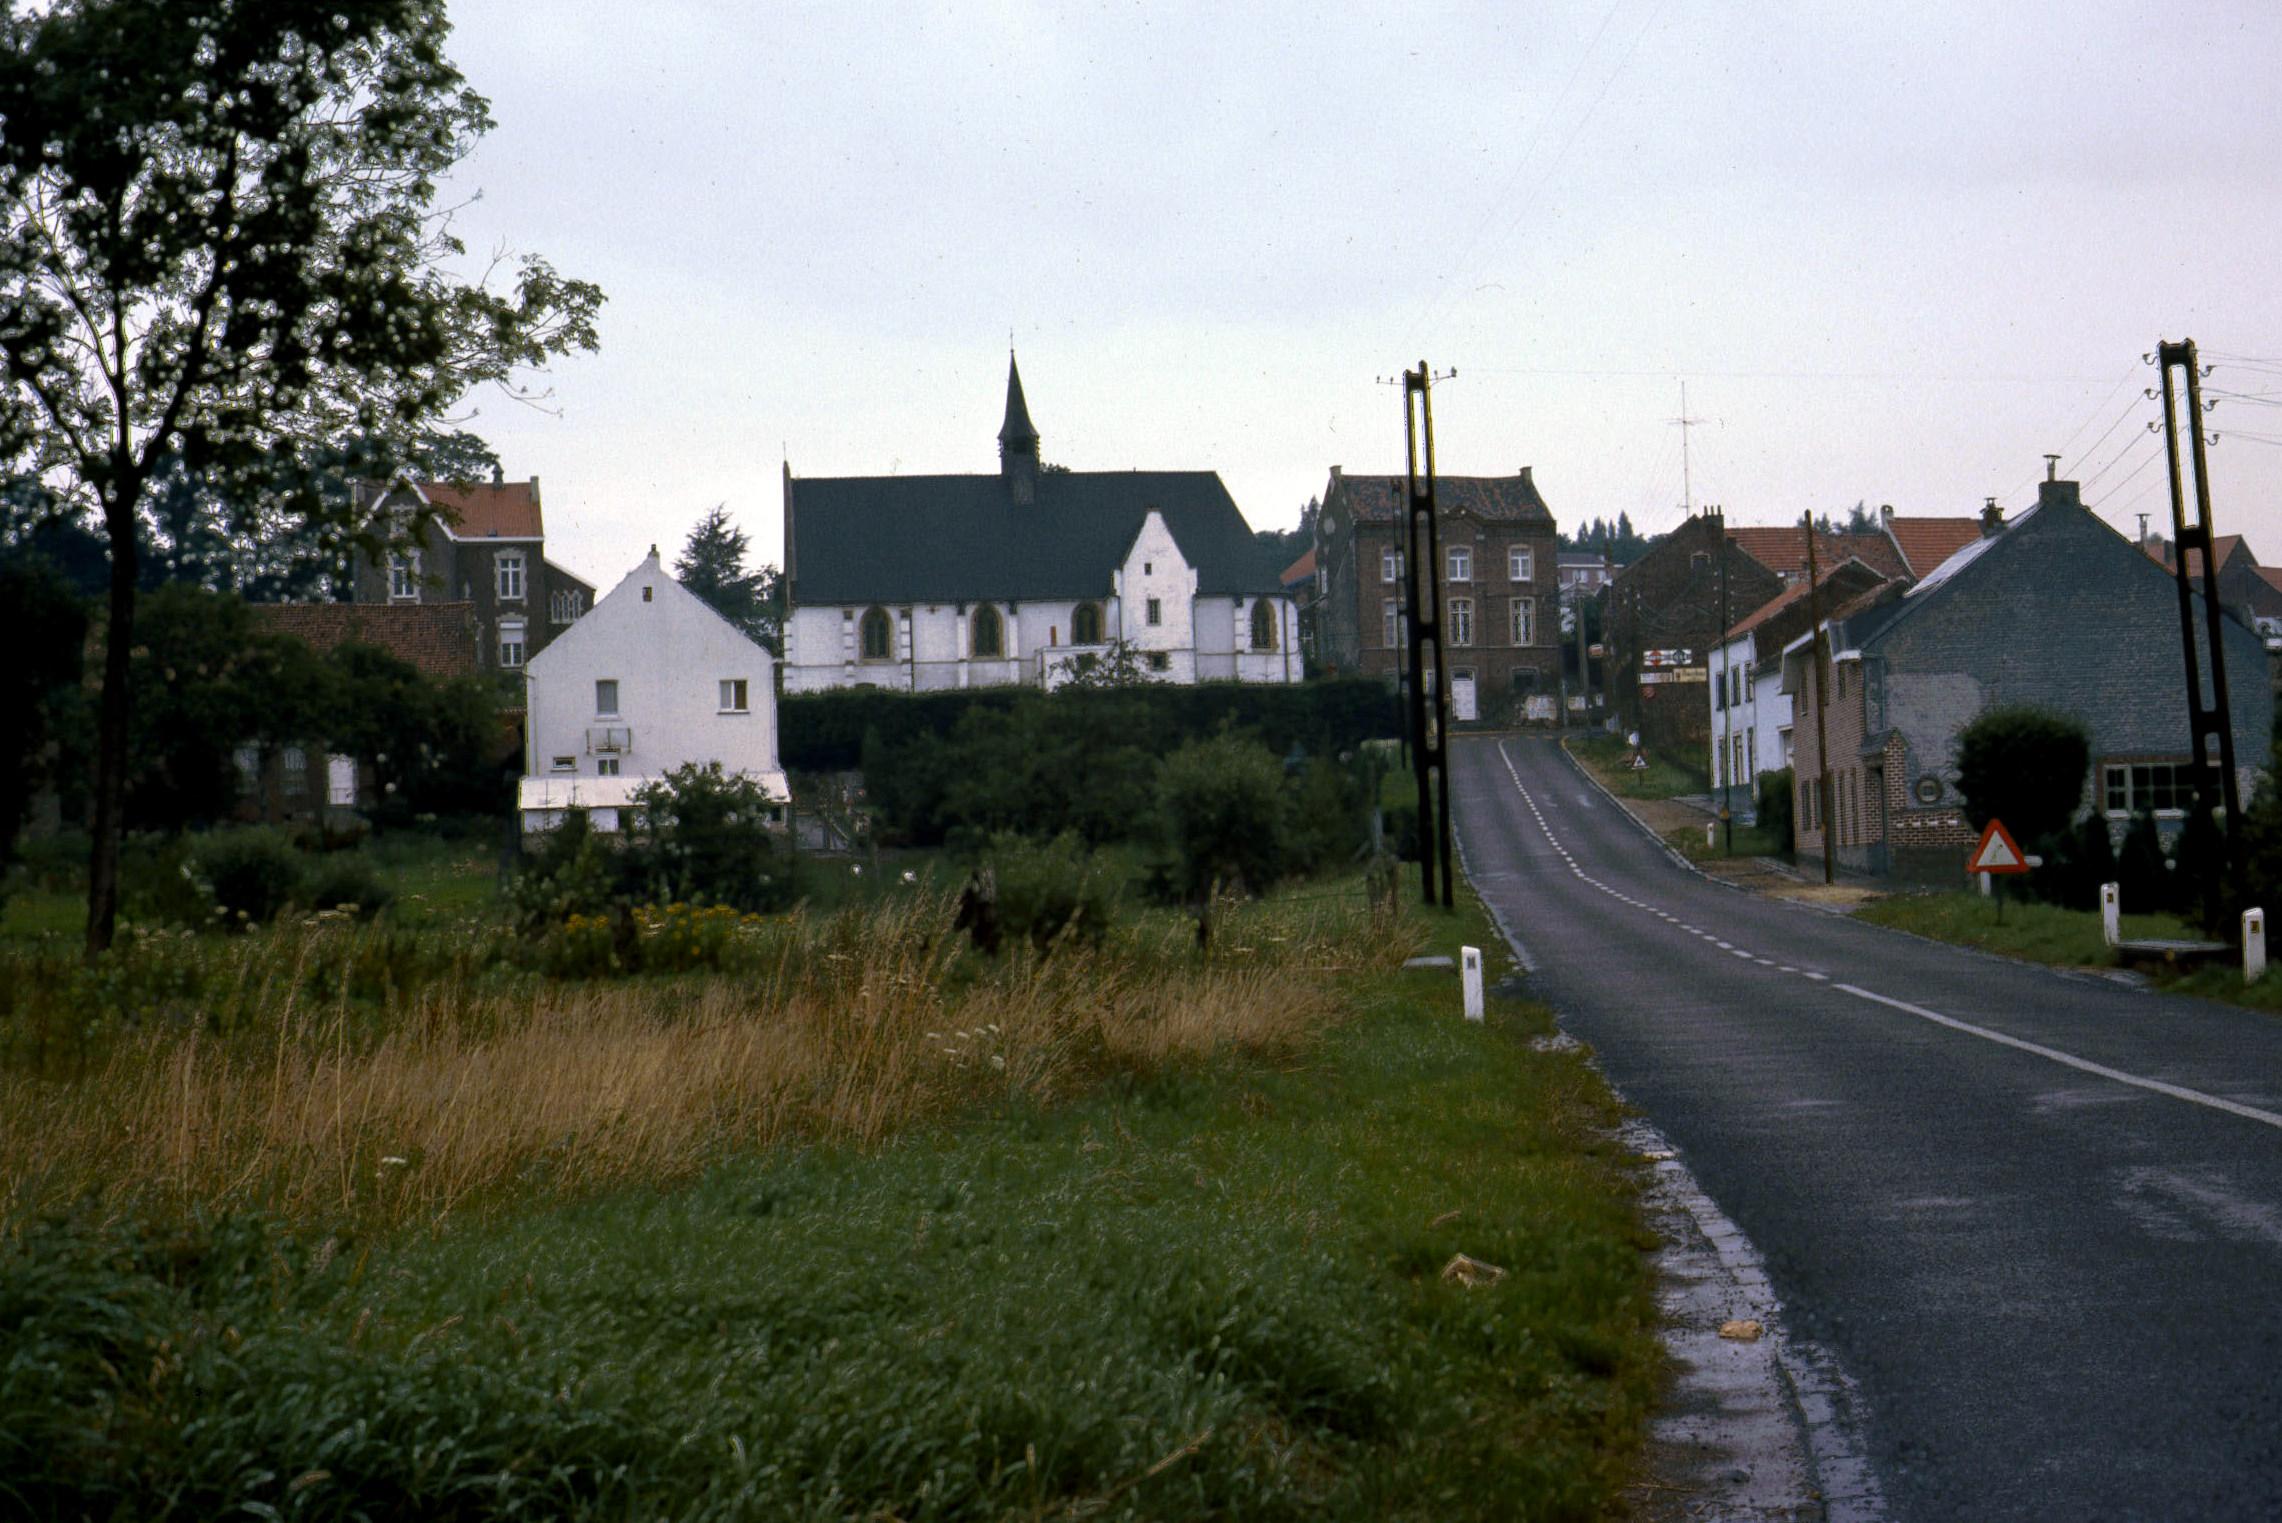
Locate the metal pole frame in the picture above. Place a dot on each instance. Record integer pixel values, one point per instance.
(1818, 656)
(1429, 700)
(2216, 717)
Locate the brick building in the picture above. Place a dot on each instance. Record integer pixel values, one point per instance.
(1500, 589)
(2054, 609)
(1660, 621)
(483, 545)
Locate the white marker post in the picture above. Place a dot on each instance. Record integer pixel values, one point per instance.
(2253, 946)
(2111, 913)
(1470, 977)
(1711, 834)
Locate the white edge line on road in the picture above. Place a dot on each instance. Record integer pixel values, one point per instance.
(2086, 1065)
(1520, 952)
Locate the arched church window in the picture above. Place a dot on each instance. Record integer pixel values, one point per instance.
(990, 632)
(878, 636)
(1085, 624)
(1263, 624)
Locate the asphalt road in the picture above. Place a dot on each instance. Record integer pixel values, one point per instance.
(2035, 1217)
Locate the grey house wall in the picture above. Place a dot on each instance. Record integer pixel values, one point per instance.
(2065, 613)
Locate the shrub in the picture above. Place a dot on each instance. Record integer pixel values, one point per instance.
(345, 880)
(2024, 766)
(2076, 863)
(252, 874)
(1046, 891)
(1775, 805)
(1221, 803)
(1328, 824)
(701, 835)
(568, 873)
(2143, 873)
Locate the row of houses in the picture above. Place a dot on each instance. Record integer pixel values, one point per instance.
(1946, 618)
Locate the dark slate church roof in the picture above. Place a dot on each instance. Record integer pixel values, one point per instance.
(942, 539)
(951, 539)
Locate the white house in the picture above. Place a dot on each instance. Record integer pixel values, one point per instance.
(1027, 575)
(650, 679)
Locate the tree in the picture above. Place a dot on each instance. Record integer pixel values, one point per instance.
(2024, 766)
(218, 252)
(39, 688)
(712, 565)
(1222, 802)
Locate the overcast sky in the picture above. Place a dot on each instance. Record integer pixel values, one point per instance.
(1896, 253)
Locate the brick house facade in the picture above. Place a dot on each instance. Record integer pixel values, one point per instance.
(483, 545)
(2054, 609)
(1500, 589)
(1661, 618)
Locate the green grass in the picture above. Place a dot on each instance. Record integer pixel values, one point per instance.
(2034, 932)
(1750, 841)
(1664, 777)
(1198, 1291)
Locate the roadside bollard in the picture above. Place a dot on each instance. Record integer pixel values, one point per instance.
(1470, 977)
(2253, 946)
(2111, 911)
(1711, 835)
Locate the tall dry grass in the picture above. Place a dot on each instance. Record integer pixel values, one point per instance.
(461, 1094)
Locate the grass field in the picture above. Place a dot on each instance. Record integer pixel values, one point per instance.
(855, 1224)
(2032, 932)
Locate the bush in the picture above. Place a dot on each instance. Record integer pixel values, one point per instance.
(1221, 802)
(1775, 811)
(2024, 766)
(345, 880)
(2143, 872)
(1047, 891)
(252, 874)
(2076, 863)
(1328, 822)
(702, 836)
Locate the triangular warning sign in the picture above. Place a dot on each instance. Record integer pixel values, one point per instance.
(1997, 853)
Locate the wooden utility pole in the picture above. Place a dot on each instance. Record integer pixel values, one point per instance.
(1817, 655)
(1726, 703)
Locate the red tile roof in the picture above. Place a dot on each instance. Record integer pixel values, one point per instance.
(1863, 576)
(2159, 550)
(1782, 549)
(438, 638)
(1301, 570)
(1927, 542)
(488, 510)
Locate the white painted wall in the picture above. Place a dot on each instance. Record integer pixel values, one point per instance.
(668, 653)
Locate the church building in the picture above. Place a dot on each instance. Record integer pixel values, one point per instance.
(1031, 575)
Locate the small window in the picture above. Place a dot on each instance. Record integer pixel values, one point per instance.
(294, 762)
(2159, 787)
(606, 766)
(733, 695)
(990, 632)
(1461, 621)
(1524, 621)
(507, 568)
(1700, 561)
(1520, 564)
(565, 764)
(1263, 624)
(1390, 565)
(1085, 624)
(404, 577)
(1148, 569)
(877, 636)
(649, 593)
(510, 642)
(1156, 614)
(606, 697)
(1159, 661)
(1391, 635)
(1461, 563)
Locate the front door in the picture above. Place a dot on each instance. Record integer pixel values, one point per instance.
(1462, 710)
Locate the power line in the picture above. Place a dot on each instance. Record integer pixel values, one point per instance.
(2093, 448)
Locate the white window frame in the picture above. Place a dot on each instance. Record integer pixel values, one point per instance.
(1390, 565)
(1522, 619)
(1461, 622)
(2182, 784)
(404, 577)
(514, 644)
(1461, 558)
(508, 578)
(734, 694)
(1154, 613)
(606, 698)
(564, 764)
(606, 766)
(1520, 564)
(1392, 629)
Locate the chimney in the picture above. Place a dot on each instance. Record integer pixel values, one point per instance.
(1992, 519)
(498, 475)
(1886, 516)
(2052, 492)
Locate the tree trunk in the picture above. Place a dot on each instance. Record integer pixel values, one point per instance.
(111, 735)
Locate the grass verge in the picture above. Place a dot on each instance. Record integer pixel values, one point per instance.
(1208, 1285)
(2033, 932)
(1664, 777)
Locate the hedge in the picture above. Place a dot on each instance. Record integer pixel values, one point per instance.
(824, 732)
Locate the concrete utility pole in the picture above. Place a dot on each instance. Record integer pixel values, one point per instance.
(1727, 701)
(2214, 719)
(1429, 685)
(1817, 653)
(1584, 648)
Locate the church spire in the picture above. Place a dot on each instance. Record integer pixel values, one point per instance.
(1017, 440)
